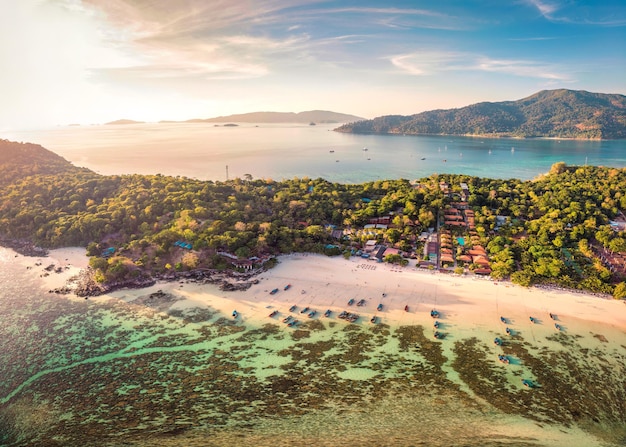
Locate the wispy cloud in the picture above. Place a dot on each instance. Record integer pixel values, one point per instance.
(218, 39)
(608, 13)
(430, 63)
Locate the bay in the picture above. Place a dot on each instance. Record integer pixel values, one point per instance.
(283, 151)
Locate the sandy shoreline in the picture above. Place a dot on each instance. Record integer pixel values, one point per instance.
(468, 306)
(320, 283)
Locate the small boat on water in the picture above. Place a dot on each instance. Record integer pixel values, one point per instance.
(274, 292)
(406, 308)
(312, 313)
(287, 287)
(439, 335)
(373, 319)
(528, 383)
(274, 313)
(502, 319)
(350, 301)
(552, 316)
(423, 158)
(292, 323)
(504, 359)
(533, 320)
(434, 313)
(292, 308)
(379, 307)
(508, 331)
(437, 324)
(327, 313)
(361, 303)
(497, 341)
(343, 315)
(235, 314)
(287, 319)
(558, 327)
(304, 310)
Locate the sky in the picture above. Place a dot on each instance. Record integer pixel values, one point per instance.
(92, 61)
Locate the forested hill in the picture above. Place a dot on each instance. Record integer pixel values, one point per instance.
(549, 113)
(552, 230)
(19, 160)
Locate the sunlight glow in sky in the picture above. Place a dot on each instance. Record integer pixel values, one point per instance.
(92, 61)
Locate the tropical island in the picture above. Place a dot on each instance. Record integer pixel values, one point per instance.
(547, 114)
(564, 229)
(245, 308)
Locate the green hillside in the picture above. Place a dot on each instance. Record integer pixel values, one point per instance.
(19, 160)
(549, 114)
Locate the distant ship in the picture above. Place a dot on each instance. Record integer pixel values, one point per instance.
(364, 148)
(312, 123)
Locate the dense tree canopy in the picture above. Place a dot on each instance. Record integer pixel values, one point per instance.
(556, 226)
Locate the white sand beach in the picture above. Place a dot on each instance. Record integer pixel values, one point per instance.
(467, 305)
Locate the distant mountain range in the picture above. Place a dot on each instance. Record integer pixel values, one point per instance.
(123, 121)
(311, 116)
(547, 114)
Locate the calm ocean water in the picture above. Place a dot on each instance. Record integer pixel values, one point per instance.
(103, 372)
(204, 151)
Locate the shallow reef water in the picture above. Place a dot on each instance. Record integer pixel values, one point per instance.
(106, 372)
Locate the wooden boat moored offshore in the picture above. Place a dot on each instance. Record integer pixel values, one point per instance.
(292, 308)
(274, 313)
(497, 341)
(327, 313)
(379, 307)
(434, 313)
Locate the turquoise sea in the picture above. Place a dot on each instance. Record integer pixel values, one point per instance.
(109, 373)
(207, 152)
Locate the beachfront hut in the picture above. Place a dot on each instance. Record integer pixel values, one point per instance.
(464, 258)
(480, 260)
(447, 258)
